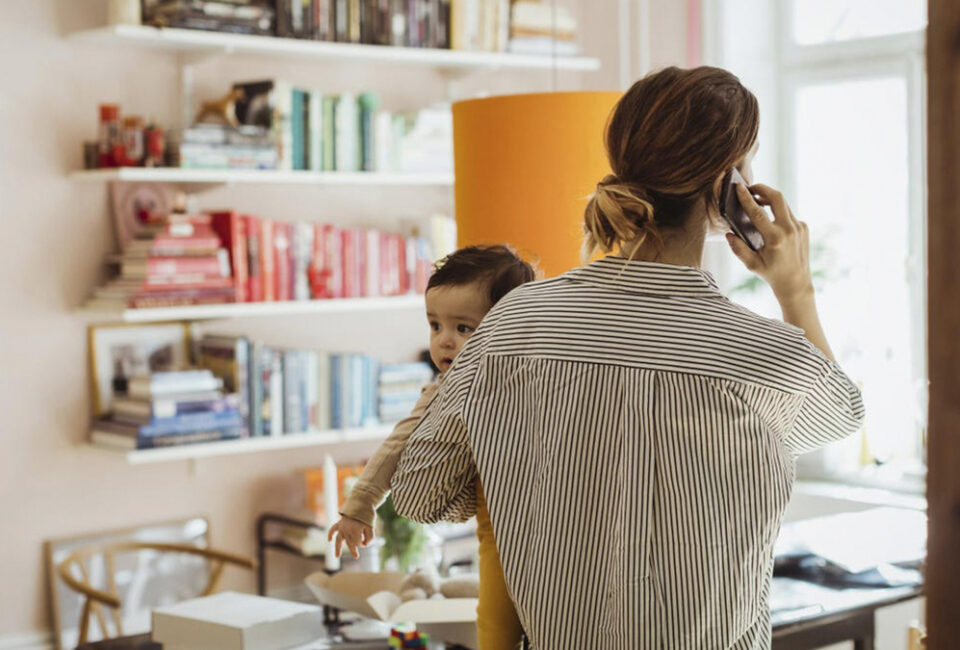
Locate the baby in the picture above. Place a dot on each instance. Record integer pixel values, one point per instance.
(463, 288)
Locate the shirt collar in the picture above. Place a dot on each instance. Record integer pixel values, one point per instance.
(634, 276)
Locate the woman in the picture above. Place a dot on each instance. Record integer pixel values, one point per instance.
(635, 431)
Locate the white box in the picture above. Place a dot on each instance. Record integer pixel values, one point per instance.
(374, 595)
(234, 621)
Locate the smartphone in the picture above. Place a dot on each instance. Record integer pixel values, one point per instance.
(734, 214)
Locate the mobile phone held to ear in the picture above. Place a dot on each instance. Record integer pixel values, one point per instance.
(734, 214)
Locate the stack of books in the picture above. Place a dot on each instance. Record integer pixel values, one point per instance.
(234, 16)
(317, 131)
(225, 257)
(539, 28)
(400, 386)
(178, 260)
(166, 409)
(216, 146)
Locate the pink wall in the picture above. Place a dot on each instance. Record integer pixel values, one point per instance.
(56, 232)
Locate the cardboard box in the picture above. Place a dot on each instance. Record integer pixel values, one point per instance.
(234, 621)
(374, 595)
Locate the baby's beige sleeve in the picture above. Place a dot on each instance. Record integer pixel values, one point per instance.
(374, 481)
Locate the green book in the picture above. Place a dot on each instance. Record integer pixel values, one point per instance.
(296, 125)
(329, 142)
(369, 103)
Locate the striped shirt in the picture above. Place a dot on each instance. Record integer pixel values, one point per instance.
(635, 433)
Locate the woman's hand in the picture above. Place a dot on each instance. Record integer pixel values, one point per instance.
(355, 533)
(784, 260)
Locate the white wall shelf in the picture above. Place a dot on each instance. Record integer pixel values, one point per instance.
(252, 309)
(250, 445)
(265, 176)
(202, 42)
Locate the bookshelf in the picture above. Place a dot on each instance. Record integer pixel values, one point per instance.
(253, 309)
(263, 176)
(195, 42)
(249, 445)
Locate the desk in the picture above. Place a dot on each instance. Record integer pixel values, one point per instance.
(807, 615)
(839, 615)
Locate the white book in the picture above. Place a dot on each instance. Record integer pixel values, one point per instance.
(234, 621)
(324, 407)
(347, 133)
(382, 141)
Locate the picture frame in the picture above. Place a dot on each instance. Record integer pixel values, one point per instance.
(119, 351)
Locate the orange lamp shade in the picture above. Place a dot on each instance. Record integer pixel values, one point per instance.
(525, 166)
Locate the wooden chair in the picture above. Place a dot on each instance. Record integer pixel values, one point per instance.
(96, 599)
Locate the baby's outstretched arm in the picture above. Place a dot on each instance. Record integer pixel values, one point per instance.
(352, 532)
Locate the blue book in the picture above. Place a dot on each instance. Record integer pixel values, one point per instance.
(173, 440)
(191, 422)
(336, 387)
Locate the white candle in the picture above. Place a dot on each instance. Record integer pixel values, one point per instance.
(331, 503)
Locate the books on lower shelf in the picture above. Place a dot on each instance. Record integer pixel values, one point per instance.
(246, 389)
(225, 256)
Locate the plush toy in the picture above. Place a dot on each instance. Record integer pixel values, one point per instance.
(467, 586)
(428, 581)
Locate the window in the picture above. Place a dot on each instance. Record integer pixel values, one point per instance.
(842, 82)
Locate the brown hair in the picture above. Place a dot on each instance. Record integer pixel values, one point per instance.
(669, 138)
(499, 267)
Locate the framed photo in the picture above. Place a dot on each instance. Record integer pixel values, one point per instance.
(117, 352)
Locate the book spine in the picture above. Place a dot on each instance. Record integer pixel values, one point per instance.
(255, 417)
(164, 408)
(315, 130)
(296, 126)
(173, 266)
(281, 274)
(277, 421)
(231, 228)
(254, 291)
(324, 415)
(354, 21)
(357, 389)
(328, 126)
(348, 263)
(373, 264)
(341, 25)
(193, 437)
(267, 260)
(190, 422)
(336, 413)
(303, 249)
(291, 394)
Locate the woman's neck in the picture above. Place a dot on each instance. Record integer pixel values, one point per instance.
(683, 247)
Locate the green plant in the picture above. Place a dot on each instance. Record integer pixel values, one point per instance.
(402, 538)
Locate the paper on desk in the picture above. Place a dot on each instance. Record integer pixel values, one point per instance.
(859, 541)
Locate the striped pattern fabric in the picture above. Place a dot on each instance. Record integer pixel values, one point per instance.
(635, 433)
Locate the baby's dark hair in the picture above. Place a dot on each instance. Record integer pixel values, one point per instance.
(498, 266)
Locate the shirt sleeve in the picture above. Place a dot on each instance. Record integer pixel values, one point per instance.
(831, 410)
(436, 476)
(374, 481)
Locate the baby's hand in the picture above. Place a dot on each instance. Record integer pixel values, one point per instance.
(355, 533)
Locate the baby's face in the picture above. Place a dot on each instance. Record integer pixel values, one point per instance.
(454, 313)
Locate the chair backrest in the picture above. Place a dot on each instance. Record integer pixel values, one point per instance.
(73, 571)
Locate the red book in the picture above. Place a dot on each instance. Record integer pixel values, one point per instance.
(281, 272)
(231, 229)
(268, 265)
(158, 267)
(180, 282)
(371, 262)
(182, 297)
(349, 263)
(164, 241)
(326, 267)
(387, 287)
(360, 266)
(403, 266)
(254, 292)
